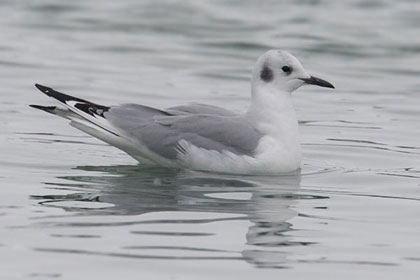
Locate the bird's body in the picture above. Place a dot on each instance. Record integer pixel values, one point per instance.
(263, 140)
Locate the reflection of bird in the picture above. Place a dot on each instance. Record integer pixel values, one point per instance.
(203, 137)
(135, 190)
(256, 207)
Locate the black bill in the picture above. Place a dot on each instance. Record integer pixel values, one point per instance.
(317, 81)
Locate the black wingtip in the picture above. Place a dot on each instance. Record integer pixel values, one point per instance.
(42, 88)
(58, 95)
(83, 105)
(48, 109)
(41, 107)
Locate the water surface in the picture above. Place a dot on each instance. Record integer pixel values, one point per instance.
(75, 208)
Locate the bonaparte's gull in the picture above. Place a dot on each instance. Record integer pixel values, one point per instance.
(263, 140)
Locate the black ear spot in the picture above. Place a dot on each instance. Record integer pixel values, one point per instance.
(266, 74)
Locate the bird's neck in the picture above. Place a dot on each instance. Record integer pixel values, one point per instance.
(273, 114)
(268, 104)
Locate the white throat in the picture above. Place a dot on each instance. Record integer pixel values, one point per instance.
(272, 113)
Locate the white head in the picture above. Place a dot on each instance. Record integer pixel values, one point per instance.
(282, 71)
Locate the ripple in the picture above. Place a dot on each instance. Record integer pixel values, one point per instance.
(165, 233)
(130, 223)
(54, 8)
(314, 167)
(135, 256)
(45, 275)
(351, 262)
(177, 248)
(75, 235)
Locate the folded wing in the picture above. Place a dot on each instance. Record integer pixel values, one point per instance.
(162, 133)
(154, 135)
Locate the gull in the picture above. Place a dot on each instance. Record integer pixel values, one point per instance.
(262, 140)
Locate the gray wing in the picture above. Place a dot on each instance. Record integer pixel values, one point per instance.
(196, 108)
(211, 132)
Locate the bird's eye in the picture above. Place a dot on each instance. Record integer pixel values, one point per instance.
(286, 69)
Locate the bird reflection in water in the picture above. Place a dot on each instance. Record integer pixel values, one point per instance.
(266, 202)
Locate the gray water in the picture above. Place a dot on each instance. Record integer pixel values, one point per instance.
(72, 207)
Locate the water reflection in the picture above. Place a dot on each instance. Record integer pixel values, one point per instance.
(266, 202)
